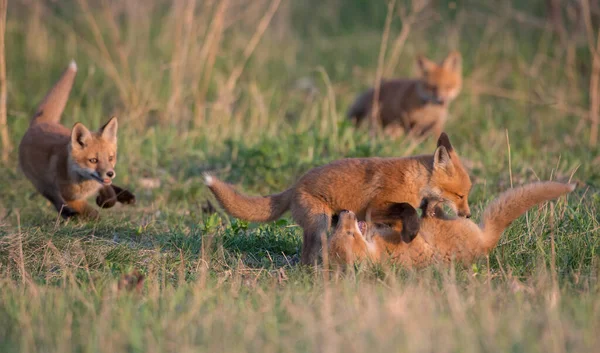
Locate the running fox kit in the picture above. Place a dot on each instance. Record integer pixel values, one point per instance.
(418, 106)
(329, 189)
(437, 238)
(67, 166)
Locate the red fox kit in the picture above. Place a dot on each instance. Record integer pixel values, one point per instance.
(67, 166)
(329, 189)
(439, 238)
(418, 106)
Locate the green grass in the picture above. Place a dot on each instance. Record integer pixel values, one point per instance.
(215, 283)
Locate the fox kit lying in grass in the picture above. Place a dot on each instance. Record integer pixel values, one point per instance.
(67, 166)
(418, 106)
(329, 189)
(437, 238)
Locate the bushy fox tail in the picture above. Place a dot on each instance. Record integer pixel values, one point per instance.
(511, 204)
(51, 108)
(254, 209)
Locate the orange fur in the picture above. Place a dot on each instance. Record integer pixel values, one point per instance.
(67, 166)
(418, 106)
(329, 189)
(440, 238)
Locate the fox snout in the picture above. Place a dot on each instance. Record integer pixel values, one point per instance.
(107, 176)
(345, 214)
(464, 213)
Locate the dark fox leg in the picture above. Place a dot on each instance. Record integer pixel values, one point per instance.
(313, 234)
(108, 196)
(83, 208)
(124, 196)
(315, 219)
(59, 203)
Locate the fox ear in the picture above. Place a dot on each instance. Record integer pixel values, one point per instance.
(109, 130)
(80, 136)
(453, 62)
(425, 65)
(444, 140)
(401, 210)
(442, 161)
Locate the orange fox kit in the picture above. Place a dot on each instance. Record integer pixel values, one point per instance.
(418, 106)
(67, 166)
(439, 238)
(329, 189)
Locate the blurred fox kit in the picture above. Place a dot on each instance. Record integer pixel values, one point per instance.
(67, 166)
(332, 188)
(418, 106)
(435, 238)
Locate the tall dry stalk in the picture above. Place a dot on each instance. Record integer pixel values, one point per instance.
(595, 94)
(407, 21)
(258, 34)
(595, 75)
(6, 144)
(183, 12)
(207, 58)
(379, 73)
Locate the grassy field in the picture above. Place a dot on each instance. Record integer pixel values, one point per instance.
(255, 91)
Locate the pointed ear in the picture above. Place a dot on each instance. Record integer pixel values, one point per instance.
(425, 65)
(444, 140)
(109, 130)
(80, 136)
(442, 161)
(453, 62)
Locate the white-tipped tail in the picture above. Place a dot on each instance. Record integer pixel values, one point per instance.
(208, 179)
(513, 203)
(249, 208)
(73, 65)
(53, 105)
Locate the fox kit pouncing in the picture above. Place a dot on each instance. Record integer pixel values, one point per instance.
(418, 106)
(67, 166)
(439, 238)
(332, 188)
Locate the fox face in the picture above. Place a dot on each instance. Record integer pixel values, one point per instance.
(349, 239)
(449, 179)
(440, 84)
(93, 155)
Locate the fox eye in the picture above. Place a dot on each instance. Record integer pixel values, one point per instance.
(460, 196)
(93, 160)
(110, 158)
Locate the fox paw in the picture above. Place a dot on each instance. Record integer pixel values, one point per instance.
(126, 197)
(67, 212)
(104, 201)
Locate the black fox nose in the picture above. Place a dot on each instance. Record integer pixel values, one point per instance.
(468, 215)
(110, 174)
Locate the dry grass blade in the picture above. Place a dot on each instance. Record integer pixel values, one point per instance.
(484, 89)
(183, 13)
(407, 22)
(207, 58)
(595, 74)
(258, 34)
(6, 143)
(373, 127)
(108, 62)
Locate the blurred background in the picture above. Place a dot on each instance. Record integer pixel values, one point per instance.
(256, 92)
